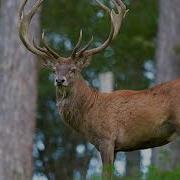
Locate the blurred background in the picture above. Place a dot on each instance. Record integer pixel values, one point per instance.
(146, 52)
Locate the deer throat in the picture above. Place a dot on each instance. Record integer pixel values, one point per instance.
(62, 96)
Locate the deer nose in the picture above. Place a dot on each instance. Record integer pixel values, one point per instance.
(60, 81)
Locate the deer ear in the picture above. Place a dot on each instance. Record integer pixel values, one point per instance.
(83, 63)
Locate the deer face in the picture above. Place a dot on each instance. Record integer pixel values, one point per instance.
(65, 74)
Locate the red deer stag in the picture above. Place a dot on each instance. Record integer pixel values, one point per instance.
(123, 120)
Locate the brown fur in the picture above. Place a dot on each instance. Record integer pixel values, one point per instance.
(123, 120)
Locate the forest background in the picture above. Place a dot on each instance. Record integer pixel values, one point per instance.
(146, 52)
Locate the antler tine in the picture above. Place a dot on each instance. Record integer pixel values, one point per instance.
(49, 50)
(102, 6)
(110, 37)
(77, 45)
(21, 9)
(116, 20)
(38, 47)
(80, 53)
(46, 49)
(25, 20)
(35, 8)
(121, 4)
(42, 49)
(118, 17)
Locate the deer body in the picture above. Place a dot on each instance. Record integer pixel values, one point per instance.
(123, 120)
(130, 120)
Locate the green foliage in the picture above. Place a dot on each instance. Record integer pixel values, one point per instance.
(155, 174)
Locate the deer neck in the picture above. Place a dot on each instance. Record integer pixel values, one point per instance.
(75, 102)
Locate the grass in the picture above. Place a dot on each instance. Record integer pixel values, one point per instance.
(153, 174)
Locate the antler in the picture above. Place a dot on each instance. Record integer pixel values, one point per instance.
(116, 21)
(44, 52)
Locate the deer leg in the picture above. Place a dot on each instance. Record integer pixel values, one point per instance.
(107, 156)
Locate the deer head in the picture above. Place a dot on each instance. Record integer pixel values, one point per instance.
(66, 69)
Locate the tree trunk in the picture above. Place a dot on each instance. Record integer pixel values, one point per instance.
(17, 98)
(106, 82)
(168, 68)
(132, 163)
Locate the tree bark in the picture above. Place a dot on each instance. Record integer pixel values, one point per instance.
(18, 74)
(168, 68)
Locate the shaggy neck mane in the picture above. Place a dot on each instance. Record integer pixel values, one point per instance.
(75, 102)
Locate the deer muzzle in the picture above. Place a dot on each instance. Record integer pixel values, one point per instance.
(61, 81)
